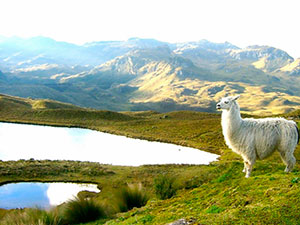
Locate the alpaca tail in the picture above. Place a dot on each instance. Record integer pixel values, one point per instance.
(297, 133)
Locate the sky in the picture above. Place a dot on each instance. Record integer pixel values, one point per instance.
(240, 22)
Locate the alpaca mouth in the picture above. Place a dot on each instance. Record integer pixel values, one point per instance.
(218, 107)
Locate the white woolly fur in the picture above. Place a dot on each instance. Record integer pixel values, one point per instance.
(257, 138)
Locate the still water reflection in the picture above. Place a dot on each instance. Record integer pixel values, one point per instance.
(42, 195)
(19, 141)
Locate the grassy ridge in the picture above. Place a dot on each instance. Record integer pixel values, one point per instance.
(214, 194)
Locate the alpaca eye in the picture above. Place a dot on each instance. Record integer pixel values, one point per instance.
(226, 102)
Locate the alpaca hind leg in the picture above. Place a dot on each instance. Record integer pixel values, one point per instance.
(245, 168)
(291, 164)
(289, 160)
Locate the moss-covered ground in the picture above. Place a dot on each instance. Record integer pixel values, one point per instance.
(213, 194)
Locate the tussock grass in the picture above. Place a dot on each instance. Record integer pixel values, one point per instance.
(81, 210)
(131, 196)
(76, 211)
(164, 186)
(33, 217)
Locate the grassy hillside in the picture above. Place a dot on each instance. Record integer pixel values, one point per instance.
(269, 197)
(214, 194)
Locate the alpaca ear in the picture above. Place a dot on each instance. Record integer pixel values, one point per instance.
(236, 97)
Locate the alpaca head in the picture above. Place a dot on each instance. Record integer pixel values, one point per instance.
(227, 102)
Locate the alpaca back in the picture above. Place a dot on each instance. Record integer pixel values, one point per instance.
(270, 134)
(252, 136)
(260, 136)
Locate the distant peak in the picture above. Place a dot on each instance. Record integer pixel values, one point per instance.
(141, 39)
(134, 39)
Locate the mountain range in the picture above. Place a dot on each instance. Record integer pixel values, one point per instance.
(147, 74)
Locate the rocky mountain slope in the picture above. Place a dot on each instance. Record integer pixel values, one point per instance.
(143, 74)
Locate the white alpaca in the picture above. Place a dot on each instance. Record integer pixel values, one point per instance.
(257, 138)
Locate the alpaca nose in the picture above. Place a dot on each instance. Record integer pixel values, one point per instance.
(218, 106)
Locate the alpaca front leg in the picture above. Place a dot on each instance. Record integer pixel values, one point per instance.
(249, 168)
(249, 161)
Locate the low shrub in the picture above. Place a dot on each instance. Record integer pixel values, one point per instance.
(164, 187)
(131, 196)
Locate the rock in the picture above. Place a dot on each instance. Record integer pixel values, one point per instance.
(183, 222)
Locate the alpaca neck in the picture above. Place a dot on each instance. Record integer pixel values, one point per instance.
(231, 119)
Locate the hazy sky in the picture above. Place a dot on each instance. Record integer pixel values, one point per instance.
(241, 22)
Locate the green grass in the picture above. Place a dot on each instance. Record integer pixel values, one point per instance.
(235, 200)
(213, 194)
(46, 170)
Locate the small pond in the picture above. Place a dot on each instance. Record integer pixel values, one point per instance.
(42, 195)
(20, 141)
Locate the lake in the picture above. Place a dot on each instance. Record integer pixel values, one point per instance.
(21, 141)
(42, 195)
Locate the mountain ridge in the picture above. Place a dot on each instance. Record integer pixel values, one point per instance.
(145, 74)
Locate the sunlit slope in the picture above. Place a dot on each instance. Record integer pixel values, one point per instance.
(203, 95)
(158, 79)
(292, 68)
